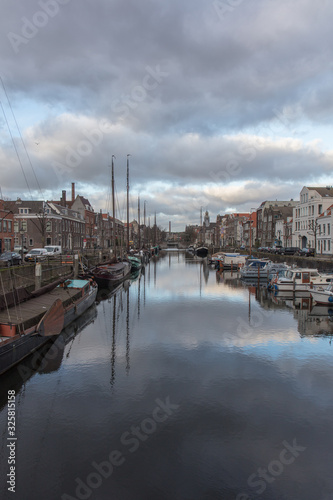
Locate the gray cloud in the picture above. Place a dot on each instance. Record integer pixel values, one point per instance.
(190, 94)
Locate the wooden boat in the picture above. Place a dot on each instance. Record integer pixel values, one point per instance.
(26, 326)
(110, 275)
(323, 295)
(135, 262)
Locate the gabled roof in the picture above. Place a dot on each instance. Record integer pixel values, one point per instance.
(323, 191)
(35, 206)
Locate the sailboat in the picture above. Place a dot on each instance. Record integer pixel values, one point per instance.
(109, 275)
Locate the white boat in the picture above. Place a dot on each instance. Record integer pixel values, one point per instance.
(227, 261)
(256, 269)
(323, 295)
(301, 280)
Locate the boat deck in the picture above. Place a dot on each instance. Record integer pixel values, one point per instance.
(32, 310)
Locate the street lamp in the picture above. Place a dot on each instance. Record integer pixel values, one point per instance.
(22, 234)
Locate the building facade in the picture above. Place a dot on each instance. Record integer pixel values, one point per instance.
(314, 201)
(7, 239)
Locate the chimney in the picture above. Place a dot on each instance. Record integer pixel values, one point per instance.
(63, 199)
(73, 191)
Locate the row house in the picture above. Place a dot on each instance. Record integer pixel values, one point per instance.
(6, 228)
(314, 201)
(324, 233)
(40, 223)
(268, 213)
(35, 223)
(81, 205)
(284, 232)
(71, 230)
(250, 230)
(104, 231)
(233, 229)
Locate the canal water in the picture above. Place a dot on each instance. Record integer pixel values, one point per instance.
(182, 385)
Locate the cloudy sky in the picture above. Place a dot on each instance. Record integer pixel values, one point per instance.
(222, 104)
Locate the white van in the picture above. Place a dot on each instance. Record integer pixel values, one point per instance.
(53, 250)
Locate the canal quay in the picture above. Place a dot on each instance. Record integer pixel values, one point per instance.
(183, 384)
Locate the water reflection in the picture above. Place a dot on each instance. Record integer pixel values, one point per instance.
(246, 370)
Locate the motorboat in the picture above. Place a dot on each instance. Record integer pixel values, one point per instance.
(226, 261)
(256, 269)
(323, 295)
(301, 280)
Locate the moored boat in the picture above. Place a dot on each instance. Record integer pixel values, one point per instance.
(256, 269)
(135, 263)
(228, 261)
(323, 295)
(110, 275)
(201, 252)
(301, 280)
(26, 326)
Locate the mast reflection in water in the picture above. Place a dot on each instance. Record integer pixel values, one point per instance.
(183, 384)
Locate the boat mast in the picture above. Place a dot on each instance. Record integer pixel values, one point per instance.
(144, 223)
(139, 222)
(155, 231)
(113, 211)
(128, 202)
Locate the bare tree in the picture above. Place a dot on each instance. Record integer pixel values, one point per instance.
(313, 229)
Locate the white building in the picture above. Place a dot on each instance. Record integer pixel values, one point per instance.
(313, 202)
(324, 233)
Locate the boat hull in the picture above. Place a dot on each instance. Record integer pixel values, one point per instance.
(322, 297)
(14, 349)
(107, 278)
(202, 252)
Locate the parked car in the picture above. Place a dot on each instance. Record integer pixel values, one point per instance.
(53, 250)
(18, 249)
(290, 251)
(307, 252)
(10, 258)
(276, 249)
(280, 250)
(36, 255)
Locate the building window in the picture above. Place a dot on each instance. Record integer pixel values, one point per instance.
(328, 229)
(328, 245)
(320, 209)
(7, 242)
(31, 242)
